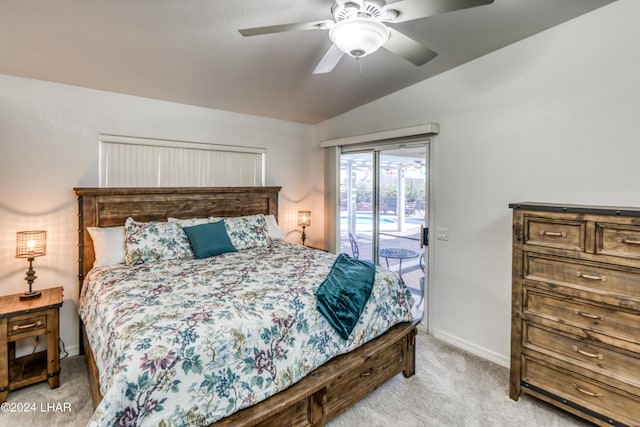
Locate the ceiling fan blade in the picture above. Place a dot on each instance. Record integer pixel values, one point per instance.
(329, 60)
(415, 9)
(315, 25)
(408, 48)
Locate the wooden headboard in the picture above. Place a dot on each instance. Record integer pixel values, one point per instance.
(108, 207)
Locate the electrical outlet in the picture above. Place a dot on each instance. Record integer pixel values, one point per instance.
(442, 234)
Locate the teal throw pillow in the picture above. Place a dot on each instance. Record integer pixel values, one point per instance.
(209, 240)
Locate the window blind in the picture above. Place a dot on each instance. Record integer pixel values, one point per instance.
(139, 162)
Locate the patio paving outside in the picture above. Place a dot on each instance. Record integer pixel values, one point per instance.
(412, 272)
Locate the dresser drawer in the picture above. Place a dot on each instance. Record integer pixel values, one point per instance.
(554, 233)
(622, 366)
(618, 284)
(618, 240)
(608, 401)
(26, 325)
(608, 325)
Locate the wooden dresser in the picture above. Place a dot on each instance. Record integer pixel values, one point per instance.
(575, 325)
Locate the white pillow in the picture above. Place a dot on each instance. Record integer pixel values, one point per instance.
(108, 245)
(272, 226)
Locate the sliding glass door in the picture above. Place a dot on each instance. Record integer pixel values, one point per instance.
(402, 187)
(383, 210)
(357, 205)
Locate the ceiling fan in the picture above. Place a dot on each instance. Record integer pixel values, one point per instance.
(359, 28)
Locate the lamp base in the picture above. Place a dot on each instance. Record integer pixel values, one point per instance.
(30, 295)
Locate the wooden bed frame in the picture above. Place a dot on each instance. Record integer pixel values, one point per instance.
(317, 398)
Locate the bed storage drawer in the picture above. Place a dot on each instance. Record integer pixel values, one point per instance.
(607, 401)
(555, 233)
(294, 415)
(334, 386)
(373, 372)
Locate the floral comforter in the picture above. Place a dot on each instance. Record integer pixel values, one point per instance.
(187, 342)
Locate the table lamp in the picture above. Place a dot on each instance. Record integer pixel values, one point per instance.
(31, 244)
(304, 220)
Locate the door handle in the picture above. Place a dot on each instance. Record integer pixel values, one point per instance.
(424, 236)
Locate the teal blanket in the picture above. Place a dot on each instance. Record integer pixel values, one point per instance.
(345, 291)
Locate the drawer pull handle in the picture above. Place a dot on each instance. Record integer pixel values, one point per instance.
(591, 276)
(628, 241)
(587, 392)
(553, 234)
(589, 315)
(586, 353)
(27, 326)
(366, 374)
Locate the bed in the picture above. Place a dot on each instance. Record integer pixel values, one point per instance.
(313, 395)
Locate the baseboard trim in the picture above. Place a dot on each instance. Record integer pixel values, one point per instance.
(73, 350)
(471, 348)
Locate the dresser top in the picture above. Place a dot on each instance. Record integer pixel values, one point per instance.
(587, 209)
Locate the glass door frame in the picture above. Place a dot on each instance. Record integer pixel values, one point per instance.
(376, 150)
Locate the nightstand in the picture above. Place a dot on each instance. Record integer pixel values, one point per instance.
(20, 319)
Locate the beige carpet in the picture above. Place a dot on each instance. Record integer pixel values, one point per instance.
(450, 388)
(40, 406)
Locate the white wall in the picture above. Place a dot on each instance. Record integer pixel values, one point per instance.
(49, 145)
(554, 118)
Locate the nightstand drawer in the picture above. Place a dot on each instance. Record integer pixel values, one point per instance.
(554, 233)
(26, 325)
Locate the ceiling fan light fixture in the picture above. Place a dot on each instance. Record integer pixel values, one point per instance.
(344, 11)
(359, 37)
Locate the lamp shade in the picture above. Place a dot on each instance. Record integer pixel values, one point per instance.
(304, 218)
(31, 244)
(359, 37)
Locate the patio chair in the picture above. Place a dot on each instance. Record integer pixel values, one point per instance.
(355, 251)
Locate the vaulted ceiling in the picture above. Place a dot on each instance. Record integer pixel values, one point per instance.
(190, 51)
